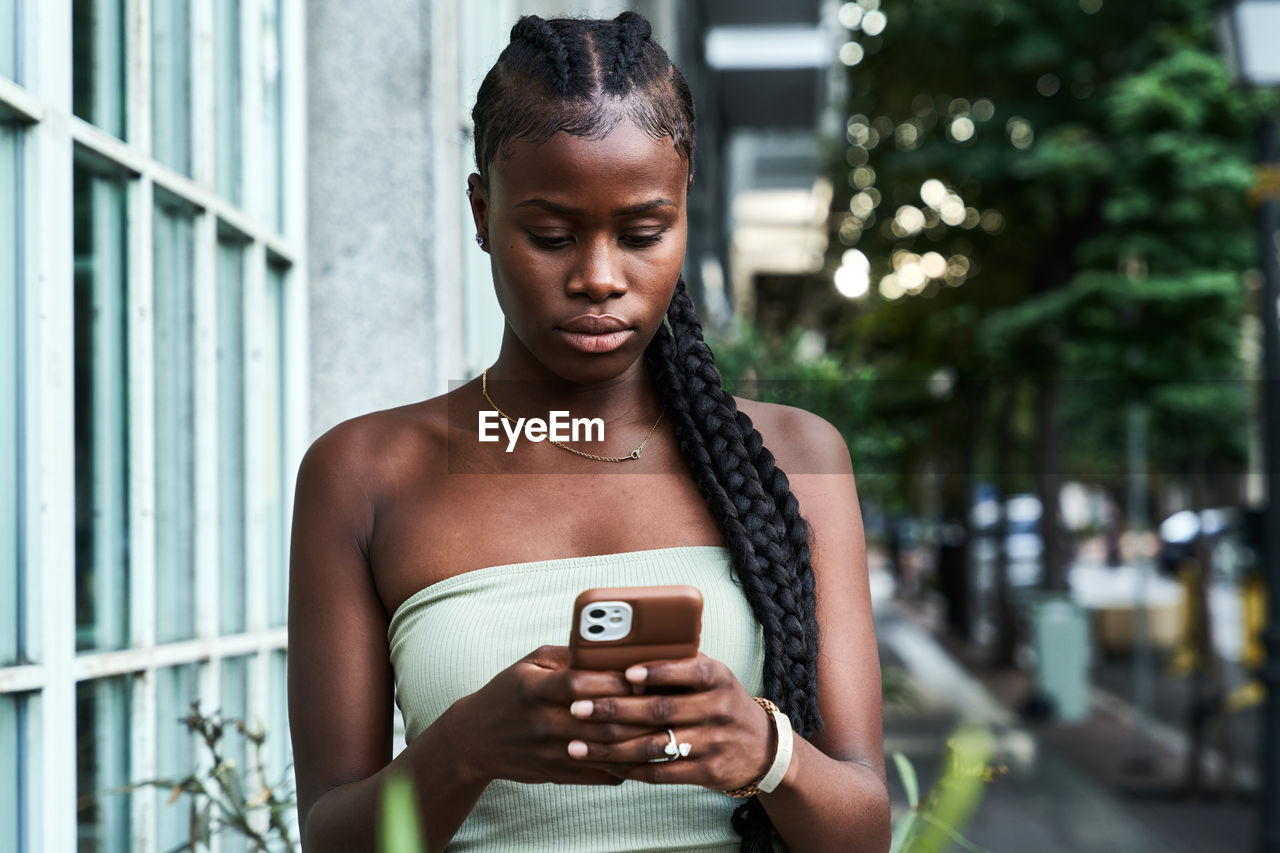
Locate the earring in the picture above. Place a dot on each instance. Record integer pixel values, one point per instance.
(468, 192)
(479, 241)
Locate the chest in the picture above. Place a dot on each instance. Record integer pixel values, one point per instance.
(460, 523)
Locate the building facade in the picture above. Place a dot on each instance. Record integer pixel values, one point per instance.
(152, 335)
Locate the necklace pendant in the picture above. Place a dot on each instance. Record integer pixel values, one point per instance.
(635, 454)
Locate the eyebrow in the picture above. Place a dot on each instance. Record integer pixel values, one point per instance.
(621, 211)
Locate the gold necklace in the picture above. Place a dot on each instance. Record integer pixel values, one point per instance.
(635, 454)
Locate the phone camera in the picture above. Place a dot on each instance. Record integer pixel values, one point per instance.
(597, 614)
(596, 629)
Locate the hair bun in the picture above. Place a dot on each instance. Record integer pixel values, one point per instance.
(529, 28)
(636, 22)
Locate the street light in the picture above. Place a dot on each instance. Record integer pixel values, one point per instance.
(1249, 31)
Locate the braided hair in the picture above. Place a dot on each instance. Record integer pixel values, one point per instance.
(584, 77)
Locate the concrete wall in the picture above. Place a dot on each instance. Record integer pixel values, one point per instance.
(380, 328)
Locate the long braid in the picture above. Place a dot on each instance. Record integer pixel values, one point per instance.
(753, 505)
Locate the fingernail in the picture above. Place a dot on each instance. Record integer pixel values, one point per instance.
(577, 749)
(581, 708)
(637, 673)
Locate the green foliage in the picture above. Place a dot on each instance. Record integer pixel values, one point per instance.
(933, 824)
(401, 832)
(762, 367)
(1103, 163)
(228, 798)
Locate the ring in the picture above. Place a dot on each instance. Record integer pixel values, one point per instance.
(673, 749)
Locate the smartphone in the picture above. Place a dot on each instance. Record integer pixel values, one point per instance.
(615, 627)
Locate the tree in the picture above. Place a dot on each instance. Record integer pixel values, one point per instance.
(1050, 195)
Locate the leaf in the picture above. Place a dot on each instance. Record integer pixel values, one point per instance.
(902, 832)
(259, 798)
(400, 829)
(909, 781)
(174, 793)
(957, 837)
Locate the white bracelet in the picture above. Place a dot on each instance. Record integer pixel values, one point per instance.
(781, 758)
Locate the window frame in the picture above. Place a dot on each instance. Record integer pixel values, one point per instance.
(45, 681)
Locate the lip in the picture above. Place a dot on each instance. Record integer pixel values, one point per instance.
(595, 333)
(595, 324)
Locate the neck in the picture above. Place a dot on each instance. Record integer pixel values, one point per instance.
(523, 387)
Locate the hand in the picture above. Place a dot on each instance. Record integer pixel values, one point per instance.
(518, 726)
(731, 738)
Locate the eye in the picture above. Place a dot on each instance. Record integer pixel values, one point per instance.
(556, 242)
(640, 241)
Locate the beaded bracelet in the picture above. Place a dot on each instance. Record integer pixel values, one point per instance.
(781, 758)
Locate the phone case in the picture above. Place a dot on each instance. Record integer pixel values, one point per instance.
(666, 623)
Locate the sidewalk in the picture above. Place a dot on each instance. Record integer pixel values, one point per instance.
(1061, 793)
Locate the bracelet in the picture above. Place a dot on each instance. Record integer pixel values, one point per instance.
(781, 758)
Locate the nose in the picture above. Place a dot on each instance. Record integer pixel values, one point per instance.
(598, 271)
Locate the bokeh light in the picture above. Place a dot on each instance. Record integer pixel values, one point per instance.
(851, 53)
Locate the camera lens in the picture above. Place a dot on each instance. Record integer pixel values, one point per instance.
(596, 629)
(596, 614)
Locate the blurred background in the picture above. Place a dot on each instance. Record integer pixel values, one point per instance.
(1021, 253)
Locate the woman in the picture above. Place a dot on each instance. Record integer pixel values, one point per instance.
(438, 568)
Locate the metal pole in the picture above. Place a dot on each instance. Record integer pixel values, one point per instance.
(1143, 659)
(1268, 225)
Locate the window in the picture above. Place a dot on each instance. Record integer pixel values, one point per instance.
(235, 706)
(270, 478)
(231, 429)
(102, 764)
(101, 419)
(174, 425)
(228, 169)
(171, 83)
(10, 405)
(10, 36)
(97, 78)
(272, 115)
(143, 320)
(12, 789)
(176, 688)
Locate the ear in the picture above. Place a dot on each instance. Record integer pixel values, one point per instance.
(479, 199)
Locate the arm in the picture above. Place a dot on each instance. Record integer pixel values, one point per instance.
(340, 680)
(341, 683)
(835, 793)
(833, 796)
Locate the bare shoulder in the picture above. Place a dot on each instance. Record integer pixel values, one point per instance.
(801, 442)
(362, 459)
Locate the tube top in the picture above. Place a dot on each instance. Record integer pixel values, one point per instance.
(449, 639)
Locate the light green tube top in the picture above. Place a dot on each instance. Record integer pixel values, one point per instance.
(449, 639)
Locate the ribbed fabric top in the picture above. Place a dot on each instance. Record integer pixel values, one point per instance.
(449, 639)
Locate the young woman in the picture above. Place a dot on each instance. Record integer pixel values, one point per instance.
(439, 569)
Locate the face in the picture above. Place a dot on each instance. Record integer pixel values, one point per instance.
(586, 238)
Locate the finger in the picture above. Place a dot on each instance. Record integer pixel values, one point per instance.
(549, 657)
(694, 674)
(650, 711)
(681, 772)
(601, 732)
(653, 747)
(567, 686)
(587, 775)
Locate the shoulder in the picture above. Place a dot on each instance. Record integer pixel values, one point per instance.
(366, 455)
(801, 442)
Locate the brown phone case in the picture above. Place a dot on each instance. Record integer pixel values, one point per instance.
(666, 623)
